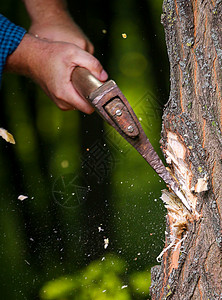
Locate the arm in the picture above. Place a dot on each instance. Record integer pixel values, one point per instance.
(51, 63)
(51, 20)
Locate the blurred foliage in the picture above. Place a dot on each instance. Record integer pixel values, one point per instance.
(80, 175)
(101, 280)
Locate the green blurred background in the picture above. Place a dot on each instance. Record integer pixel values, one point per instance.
(84, 183)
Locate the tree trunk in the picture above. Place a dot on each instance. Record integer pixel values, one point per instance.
(191, 265)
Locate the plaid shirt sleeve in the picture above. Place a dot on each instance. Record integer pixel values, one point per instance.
(10, 37)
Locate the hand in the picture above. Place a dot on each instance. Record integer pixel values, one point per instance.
(64, 30)
(51, 20)
(51, 64)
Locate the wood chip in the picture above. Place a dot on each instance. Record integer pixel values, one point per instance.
(7, 136)
(22, 197)
(106, 243)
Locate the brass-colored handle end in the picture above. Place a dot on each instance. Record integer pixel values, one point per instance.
(84, 82)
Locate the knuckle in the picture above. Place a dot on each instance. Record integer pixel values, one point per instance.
(96, 64)
(62, 106)
(60, 102)
(81, 43)
(91, 49)
(58, 98)
(59, 94)
(84, 45)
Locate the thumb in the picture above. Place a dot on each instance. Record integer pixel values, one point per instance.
(89, 62)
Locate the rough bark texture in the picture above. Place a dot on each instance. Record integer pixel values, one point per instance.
(192, 144)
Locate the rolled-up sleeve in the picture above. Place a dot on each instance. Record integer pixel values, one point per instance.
(10, 37)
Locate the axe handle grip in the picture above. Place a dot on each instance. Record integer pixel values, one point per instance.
(84, 82)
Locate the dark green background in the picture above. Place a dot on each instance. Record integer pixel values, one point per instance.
(108, 184)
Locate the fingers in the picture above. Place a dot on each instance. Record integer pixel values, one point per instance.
(77, 102)
(89, 62)
(95, 67)
(67, 98)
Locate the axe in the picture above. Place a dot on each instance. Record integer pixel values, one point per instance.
(113, 107)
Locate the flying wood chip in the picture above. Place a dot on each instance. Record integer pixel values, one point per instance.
(22, 197)
(7, 136)
(106, 243)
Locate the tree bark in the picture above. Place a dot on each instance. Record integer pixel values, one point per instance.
(191, 266)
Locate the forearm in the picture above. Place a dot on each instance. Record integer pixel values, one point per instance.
(24, 59)
(51, 20)
(45, 11)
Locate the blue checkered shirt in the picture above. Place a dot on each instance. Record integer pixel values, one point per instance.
(10, 37)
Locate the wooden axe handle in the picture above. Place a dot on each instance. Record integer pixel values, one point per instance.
(84, 82)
